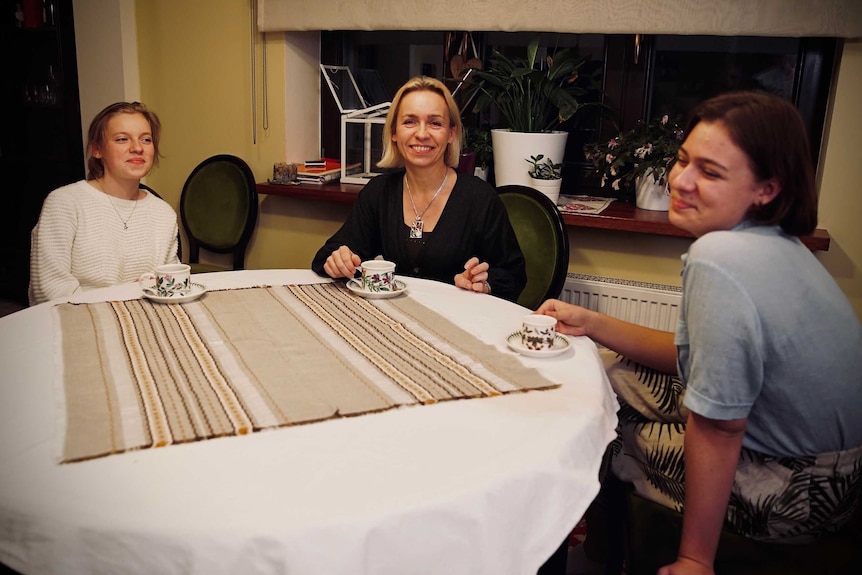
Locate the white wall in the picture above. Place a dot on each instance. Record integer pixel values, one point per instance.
(302, 83)
(106, 46)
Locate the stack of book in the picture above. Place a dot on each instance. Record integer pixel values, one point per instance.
(322, 171)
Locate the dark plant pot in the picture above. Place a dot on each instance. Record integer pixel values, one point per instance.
(467, 163)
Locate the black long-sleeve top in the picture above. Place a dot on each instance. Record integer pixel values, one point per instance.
(473, 223)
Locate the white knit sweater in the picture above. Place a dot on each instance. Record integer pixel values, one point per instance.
(79, 242)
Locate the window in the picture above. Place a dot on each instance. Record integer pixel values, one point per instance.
(687, 69)
(666, 74)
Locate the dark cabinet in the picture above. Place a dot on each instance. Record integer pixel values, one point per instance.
(40, 124)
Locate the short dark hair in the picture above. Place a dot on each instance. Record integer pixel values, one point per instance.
(771, 132)
(96, 133)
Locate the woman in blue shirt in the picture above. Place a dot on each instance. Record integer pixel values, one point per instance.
(768, 349)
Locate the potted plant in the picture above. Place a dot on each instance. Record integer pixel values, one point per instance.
(534, 96)
(477, 141)
(639, 161)
(546, 176)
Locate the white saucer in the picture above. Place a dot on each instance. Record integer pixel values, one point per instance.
(197, 291)
(356, 287)
(561, 344)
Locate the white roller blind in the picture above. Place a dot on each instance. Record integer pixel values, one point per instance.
(839, 18)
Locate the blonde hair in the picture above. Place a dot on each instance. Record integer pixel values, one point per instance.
(392, 157)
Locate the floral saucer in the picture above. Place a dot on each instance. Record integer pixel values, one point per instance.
(561, 344)
(197, 291)
(356, 287)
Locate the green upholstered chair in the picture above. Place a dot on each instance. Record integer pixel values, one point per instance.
(544, 241)
(179, 236)
(218, 208)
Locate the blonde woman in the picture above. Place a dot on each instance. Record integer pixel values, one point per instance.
(433, 222)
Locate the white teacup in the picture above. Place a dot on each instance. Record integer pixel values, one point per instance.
(538, 332)
(378, 275)
(169, 280)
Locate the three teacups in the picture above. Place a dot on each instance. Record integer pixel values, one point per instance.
(378, 276)
(169, 280)
(538, 332)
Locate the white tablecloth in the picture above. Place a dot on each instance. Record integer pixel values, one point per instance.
(473, 486)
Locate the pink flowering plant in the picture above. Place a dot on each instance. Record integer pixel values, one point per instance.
(648, 148)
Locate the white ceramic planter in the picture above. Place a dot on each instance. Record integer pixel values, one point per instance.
(511, 150)
(550, 188)
(481, 173)
(650, 195)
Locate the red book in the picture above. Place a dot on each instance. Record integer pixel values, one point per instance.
(322, 165)
(322, 175)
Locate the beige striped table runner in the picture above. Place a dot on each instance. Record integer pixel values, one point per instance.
(139, 375)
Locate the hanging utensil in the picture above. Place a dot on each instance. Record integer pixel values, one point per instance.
(460, 62)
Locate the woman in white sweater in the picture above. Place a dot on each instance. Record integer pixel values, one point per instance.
(105, 230)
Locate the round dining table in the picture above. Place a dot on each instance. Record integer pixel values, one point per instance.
(490, 485)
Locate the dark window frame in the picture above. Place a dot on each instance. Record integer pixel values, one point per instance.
(626, 86)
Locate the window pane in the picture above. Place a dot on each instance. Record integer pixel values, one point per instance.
(671, 76)
(690, 69)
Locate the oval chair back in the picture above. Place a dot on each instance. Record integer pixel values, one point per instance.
(218, 208)
(179, 237)
(544, 242)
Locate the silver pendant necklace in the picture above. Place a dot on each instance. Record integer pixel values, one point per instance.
(418, 224)
(113, 205)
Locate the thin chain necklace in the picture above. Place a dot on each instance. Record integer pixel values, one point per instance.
(416, 228)
(113, 205)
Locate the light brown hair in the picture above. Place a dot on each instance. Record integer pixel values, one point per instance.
(96, 133)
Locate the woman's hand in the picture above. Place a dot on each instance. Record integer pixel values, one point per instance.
(685, 566)
(474, 277)
(571, 319)
(650, 347)
(342, 263)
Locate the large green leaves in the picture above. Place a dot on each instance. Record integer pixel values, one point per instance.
(533, 99)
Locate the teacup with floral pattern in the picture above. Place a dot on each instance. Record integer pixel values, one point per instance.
(169, 280)
(538, 332)
(378, 276)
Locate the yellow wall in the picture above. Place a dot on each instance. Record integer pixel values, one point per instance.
(195, 68)
(195, 71)
(840, 186)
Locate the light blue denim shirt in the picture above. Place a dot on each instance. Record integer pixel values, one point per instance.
(766, 333)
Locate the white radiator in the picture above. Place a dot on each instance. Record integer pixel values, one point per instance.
(648, 304)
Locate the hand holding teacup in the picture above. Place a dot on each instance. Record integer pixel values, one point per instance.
(169, 280)
(342, 263)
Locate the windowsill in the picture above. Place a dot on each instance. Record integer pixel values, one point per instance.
(618, 216)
